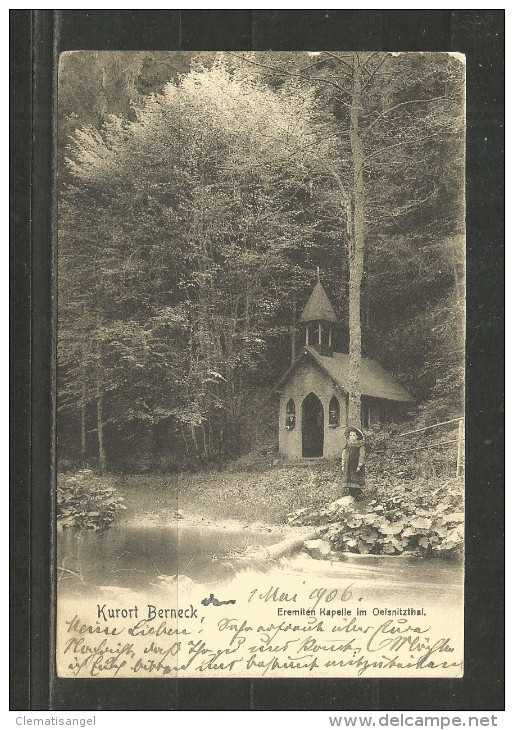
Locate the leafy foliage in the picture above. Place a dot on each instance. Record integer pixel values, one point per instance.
(175, 251)
(395, 458)
(86, 501)
(198, 195)
(412, 518)
(414, 504)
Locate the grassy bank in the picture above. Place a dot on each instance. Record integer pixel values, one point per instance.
(416, 515)
(258, 493)
(250, 496)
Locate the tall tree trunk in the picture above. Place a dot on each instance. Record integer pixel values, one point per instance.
(100, 427)
(293, 330)
(205, 445)
(356, 248)
(195, 440)
(209, 436)
(83, 400)
(100, 411)
(184, 439)
(83, 442)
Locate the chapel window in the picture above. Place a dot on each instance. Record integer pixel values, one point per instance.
(290, 414)
(334, 413)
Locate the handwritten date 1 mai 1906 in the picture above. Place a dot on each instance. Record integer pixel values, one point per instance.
(275, 594)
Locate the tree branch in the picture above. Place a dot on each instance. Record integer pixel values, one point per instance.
(287, 157)
(405, 208)
(311, 65)
(402, 104)
(372, 76)
(283, 72)
(403, 142)
(340, 60)
(375, 53)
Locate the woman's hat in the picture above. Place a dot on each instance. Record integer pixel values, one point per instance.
(356, 430)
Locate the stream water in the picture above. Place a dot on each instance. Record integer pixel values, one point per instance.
(138, 557)
(135, 556)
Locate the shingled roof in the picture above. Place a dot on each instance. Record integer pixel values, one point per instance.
(318, 307)
(375, 381)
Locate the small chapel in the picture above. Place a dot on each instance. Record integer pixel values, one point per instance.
(313, 411)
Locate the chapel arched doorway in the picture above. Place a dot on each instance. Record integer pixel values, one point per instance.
(312, 426)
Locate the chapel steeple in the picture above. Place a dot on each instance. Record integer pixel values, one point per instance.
(318, 317)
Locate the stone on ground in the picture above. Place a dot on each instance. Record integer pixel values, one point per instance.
(318, 549)
(344, 501)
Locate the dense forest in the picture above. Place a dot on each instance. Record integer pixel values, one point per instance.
(198, 193)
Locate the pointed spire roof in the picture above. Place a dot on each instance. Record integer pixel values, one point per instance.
(318, 308)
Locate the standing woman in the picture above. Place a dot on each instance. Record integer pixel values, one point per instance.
(353, 461)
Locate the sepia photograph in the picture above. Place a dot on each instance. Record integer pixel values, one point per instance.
(260, 364)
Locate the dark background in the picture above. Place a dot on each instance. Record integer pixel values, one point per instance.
(36, 39)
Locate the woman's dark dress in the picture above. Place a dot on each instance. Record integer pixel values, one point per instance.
(353, 456)
(352, 461)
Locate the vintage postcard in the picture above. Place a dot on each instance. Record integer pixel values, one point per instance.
(260, 379)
